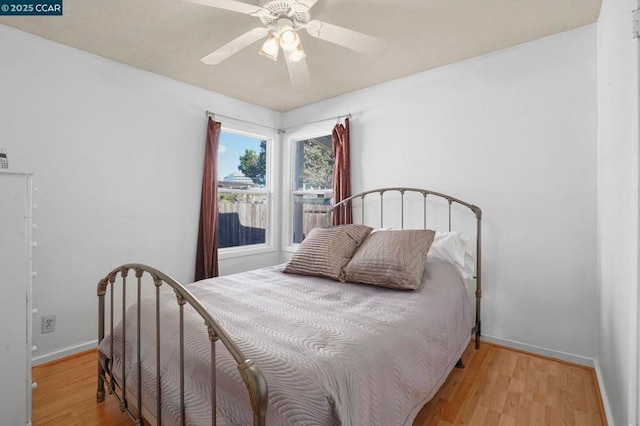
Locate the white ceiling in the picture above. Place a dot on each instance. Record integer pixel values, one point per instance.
(169, 37)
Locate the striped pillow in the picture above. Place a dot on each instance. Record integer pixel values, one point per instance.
(325, 251)
(393, 259)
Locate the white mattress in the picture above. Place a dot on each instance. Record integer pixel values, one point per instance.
(332, 353)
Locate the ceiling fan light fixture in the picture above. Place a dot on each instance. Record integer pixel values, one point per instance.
(271, 47)
(289, 39)
(297, 54)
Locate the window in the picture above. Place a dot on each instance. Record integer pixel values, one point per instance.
(311, 184)
(243, 191)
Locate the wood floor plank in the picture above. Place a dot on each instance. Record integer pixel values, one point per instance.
(499, 386)
(524, 389)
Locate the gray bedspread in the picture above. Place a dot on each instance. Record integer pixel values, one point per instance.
(333, 353)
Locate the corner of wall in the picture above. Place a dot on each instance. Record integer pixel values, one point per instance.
(603, 393)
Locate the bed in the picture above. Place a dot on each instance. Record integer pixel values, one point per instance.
(274, 347)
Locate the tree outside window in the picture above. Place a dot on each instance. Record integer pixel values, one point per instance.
(242, 191)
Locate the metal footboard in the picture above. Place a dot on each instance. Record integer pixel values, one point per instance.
(251, 374)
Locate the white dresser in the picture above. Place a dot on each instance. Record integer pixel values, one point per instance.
(15, 289)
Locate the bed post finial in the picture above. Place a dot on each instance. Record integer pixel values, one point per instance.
(102, 286)
(477, 210)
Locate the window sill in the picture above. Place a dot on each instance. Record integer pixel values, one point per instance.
(233, 252)
(291, 249)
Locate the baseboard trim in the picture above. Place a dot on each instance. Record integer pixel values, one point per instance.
(603, 393)
(70, 350)
(538, 350)
(564, 356)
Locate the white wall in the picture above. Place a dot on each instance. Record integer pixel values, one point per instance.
(515, 133)
(117, 155)
(618, 209)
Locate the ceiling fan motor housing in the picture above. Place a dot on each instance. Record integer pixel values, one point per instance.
(297, 12)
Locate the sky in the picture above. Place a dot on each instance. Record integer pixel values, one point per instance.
(231, 147)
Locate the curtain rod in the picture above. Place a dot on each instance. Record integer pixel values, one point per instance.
(213, 114)
(348, 115)
(280, 131)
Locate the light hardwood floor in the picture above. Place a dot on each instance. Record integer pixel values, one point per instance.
(499, 386)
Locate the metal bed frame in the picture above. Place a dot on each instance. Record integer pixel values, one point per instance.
(253, 378)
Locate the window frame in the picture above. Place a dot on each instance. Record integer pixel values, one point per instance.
(289, 157)
(269, 244)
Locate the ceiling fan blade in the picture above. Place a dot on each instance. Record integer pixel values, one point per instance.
(234, 6)
(298, 74)
(235, 46)
(307, 3)
(345, 37)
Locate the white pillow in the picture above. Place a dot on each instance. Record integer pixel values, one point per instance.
(454, 247)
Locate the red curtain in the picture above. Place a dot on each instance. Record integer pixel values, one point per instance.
(207, 252)
(341, 172)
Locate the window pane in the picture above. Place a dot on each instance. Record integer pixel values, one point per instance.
(307, 215)
(242, 162)
(242, 218)
(314, 164)
(242, 190)
(313, 183)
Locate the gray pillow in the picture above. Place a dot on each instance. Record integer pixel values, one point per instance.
(393, 259)
(325, 251)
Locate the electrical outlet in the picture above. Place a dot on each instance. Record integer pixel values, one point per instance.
(48, 324)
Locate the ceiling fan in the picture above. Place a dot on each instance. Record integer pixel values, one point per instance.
(282, 19)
